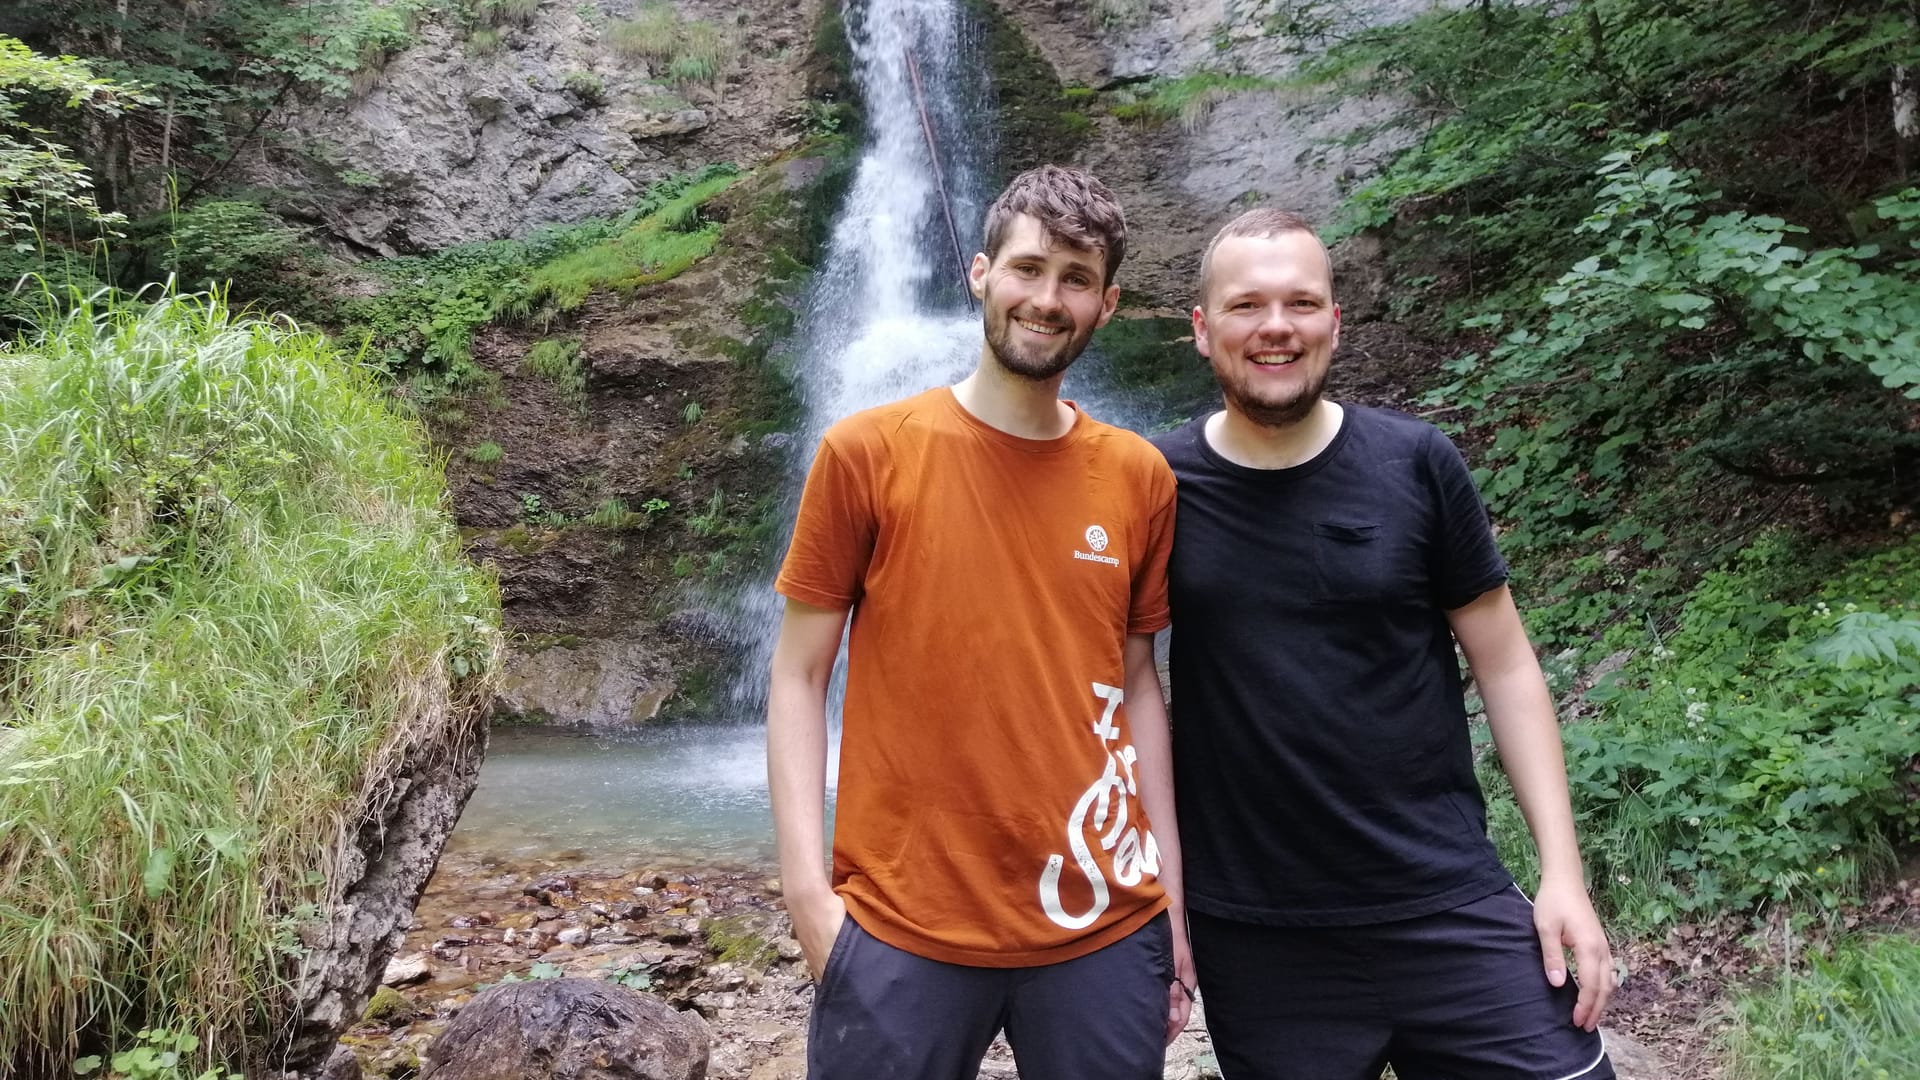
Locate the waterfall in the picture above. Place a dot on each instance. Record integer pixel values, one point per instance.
(886, 316)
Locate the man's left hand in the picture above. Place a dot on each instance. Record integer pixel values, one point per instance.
(1564, 918)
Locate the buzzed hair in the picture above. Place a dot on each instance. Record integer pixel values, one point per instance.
(1259, 224)
(1072, 208)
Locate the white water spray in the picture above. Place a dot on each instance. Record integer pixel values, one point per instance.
(887, 316)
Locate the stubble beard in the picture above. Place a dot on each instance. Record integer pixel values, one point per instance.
(1269, 413)
(1032, 364)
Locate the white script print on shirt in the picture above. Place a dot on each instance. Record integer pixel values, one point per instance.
(1135, 854)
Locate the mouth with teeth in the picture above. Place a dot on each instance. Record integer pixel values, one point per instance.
(1040, 328)
(1272, 358)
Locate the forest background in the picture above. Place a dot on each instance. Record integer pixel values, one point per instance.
(1669, 251)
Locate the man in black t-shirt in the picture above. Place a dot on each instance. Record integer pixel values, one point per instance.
(1347, 909)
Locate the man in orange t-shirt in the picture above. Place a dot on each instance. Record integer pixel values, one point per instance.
(1004, 851)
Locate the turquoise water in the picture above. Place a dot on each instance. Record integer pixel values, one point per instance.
(674, 794)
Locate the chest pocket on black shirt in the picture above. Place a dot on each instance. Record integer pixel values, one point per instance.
(1350, 561)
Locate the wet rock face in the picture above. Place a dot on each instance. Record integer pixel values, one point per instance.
(577, 1029)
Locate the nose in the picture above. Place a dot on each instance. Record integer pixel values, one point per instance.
(1047, 298)
(1275, 322)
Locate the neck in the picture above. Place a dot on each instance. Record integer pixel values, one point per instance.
(1018, 406)
(1245, 442)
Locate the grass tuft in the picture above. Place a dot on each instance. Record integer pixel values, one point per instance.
(228, 588)
(685, 50)
(1854, 1014)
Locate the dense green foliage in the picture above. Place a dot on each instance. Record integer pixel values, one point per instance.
(1852, 1015)
(42, 186)
(1680, 249)
(228, 588)
(1761, 751)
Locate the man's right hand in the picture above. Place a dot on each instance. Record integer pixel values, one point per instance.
(816, 923)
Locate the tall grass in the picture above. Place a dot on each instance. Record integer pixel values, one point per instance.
(229, 588)
(685, 50)
(1852, 1016)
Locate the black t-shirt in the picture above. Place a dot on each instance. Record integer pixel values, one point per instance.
(1322, 760)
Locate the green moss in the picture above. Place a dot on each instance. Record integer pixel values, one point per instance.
(1039, 121)
(521, 539)
(390, 1006)
(738, 940)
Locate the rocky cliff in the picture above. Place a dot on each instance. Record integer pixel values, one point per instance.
(478, 132)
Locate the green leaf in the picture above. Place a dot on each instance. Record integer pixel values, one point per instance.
(159, 870)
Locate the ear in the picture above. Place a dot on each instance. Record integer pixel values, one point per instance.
(1200, 332)
(977, 275)
(1109, 303)
(1336, 329)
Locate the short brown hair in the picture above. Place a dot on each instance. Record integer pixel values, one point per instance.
(1258, 225)
(1072, 207)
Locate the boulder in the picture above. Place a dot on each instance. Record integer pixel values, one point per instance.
(569, 1029)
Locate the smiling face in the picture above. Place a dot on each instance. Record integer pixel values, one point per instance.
(1268, 323)
(1042, 298)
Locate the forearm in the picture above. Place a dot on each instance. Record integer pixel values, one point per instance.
(1153, 747)
(797, 781)
(1521, 716)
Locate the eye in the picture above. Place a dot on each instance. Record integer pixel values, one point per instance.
(1079, 281)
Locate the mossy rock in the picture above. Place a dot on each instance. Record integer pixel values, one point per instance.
(390, 1006)
(740, 940)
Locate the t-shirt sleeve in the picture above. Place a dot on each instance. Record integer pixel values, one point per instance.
(826, 563)
(1148, 612)
(1466, 561)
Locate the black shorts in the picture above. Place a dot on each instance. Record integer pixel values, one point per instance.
(883, 1014)
(1458, 995)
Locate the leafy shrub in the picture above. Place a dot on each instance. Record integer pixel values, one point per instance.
(1853, 1015)
(1682, 353)
(1765, 751)
(221, 240)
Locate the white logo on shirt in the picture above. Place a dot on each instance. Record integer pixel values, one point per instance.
(1098, 541)
(1102, 806)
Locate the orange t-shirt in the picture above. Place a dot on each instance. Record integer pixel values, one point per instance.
(988, 806)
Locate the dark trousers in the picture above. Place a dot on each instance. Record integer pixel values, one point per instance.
(1458, 995)
(883, 1014)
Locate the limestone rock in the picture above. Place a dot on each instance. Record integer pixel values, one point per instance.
(576, 1029)
(405, 970)
(600, 683)
(1632, 1060)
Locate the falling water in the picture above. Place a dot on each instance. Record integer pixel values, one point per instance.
(888, 314)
